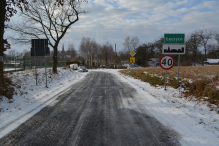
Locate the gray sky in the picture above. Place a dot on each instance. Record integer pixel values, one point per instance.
(114, 20)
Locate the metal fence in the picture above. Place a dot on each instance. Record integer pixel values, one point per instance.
(23, 63)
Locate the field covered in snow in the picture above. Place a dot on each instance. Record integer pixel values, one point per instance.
(196, 123)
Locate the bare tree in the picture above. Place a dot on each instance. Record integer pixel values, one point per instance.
(131, 44)
(122, 56)
(217, 37)
(50, 19)
(82, 48)
(206, 35)
(193, 42)
(26, 53)
(107, 53)
(18, 54)
(213, 51)
(127, 44)
(94, 53)
(72, 52)
(7, 10)
(135, 42)
(86, 49)
(11, 52)
(158, 45)
(98, 54)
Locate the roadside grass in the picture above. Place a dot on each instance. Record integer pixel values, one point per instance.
(200, 82)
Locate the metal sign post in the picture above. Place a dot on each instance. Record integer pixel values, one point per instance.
(115, 57)
(178, 70)
(35, 62)
(165, 80)
(132, 59)
(166, 62)
(45, 63)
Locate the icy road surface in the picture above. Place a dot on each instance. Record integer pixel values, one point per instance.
(98, 110)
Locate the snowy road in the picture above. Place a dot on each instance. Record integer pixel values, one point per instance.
(95, 112)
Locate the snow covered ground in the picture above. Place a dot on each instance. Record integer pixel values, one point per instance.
(30, 99)
(197, 124)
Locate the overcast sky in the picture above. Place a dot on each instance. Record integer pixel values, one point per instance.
(114, 20)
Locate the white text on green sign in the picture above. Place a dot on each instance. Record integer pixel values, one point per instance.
(174, 38)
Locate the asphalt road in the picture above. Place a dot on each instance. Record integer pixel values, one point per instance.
(100, 110)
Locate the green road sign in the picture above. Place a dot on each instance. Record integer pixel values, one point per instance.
(174, 38)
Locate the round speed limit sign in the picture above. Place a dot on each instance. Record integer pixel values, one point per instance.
(166, 62)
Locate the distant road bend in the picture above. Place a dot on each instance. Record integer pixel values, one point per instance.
(100, 110)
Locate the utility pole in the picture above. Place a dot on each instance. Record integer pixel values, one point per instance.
(115, 56)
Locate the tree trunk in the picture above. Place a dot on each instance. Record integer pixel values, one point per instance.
(91, 60)
(106, 59)
(205, 52)
(2, 25)
(55, 63)
(195, 54)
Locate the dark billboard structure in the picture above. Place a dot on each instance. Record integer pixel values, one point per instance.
(39, 47)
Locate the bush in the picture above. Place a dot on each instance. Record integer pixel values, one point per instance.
(197, 87)
(6, 88)
(212, 93)
(150, 78)
(172, 82)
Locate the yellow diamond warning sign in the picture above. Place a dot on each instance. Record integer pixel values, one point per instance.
(132, 53)
(132, 59)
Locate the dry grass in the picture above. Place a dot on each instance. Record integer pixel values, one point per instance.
(204, 80)
(188, 72)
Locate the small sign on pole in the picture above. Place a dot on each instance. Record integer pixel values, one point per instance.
(132, 59)
(166, 62)
(132, 53)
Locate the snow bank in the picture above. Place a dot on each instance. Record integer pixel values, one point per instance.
(31, 96)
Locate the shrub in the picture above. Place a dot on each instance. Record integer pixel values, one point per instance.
(7, 89)
(212, 93)
(172, 82)
(197, 87)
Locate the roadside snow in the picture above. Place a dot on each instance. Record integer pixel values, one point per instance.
(197, 124)
(31, 98)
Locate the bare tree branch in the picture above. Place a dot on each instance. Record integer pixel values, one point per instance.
(48, 18)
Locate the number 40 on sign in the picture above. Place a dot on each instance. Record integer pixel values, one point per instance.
(166, 62)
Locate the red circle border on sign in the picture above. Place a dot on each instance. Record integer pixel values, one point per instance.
(163, 57)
